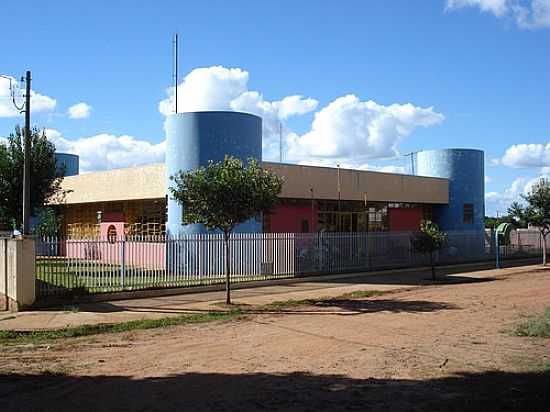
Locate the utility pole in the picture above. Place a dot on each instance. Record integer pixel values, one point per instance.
(27, 157)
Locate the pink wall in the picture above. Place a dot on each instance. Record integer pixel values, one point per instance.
(288, 218)
(140, 254)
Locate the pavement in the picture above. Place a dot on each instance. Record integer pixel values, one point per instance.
(304, 288)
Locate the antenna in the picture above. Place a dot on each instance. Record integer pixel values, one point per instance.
(280, 142)
(411, 154)
(175, 73)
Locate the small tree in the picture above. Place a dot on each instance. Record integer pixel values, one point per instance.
(49, 222)
(45, 179)
(428, 240)
(224, 195)
(537, 211)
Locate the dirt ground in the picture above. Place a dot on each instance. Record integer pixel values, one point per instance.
(442, 347)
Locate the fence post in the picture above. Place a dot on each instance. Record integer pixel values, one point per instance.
(122, 260)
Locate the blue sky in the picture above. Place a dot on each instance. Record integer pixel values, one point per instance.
(417, 75)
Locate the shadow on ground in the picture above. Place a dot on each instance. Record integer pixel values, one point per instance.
(320, 307)
(384, 305)
(490, 391)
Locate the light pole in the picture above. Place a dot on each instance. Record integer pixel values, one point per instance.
(26, 107)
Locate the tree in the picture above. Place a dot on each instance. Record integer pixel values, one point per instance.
(537, 210)
(428, 240)
(223, 195)
(45, 179)
(49, 222)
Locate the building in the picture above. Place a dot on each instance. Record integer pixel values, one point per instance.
(135, 200)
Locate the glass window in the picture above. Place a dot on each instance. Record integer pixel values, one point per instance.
(468, 213)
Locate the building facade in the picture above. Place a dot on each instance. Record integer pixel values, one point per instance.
(136, 200)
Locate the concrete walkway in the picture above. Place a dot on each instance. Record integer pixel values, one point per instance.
(314, 287)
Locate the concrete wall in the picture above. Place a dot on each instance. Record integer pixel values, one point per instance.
(17, 273)
(465, 170)
(195, 138)
(383, 187)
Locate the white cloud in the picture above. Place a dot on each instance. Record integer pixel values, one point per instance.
(221, 88)
(500, 201)
(349, 128)
(351, 165)
(497, 7)
(528, 14)
(527, 155)
(107, 151)
(39, 102)
(488, 179)
(79, 111)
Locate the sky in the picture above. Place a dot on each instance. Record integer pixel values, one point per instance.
(355, 83)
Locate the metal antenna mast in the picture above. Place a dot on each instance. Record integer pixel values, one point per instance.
(280, 142)
(175, 72)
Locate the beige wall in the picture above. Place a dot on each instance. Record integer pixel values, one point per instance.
(148, 182)
(17, 273)
(133, 183)
(388, 187)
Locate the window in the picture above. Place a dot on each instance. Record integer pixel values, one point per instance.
(111, 234)
(468, 213)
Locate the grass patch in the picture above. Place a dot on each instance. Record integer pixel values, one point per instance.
(38, 337)
(537, 326)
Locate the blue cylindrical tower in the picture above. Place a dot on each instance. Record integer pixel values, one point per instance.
(67, 163)
(194, 138)
(465, 170)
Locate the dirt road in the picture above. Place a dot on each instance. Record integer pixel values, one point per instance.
(442, 347)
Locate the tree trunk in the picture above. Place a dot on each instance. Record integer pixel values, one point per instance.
(432, 265)
(227, 268)
(543, 249)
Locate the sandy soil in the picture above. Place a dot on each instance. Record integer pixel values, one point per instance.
(442, 347)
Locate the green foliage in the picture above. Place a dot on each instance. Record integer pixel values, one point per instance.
(49, 222)
(45, 181)
(537, 210)
(225, 194)
(538, 326)
(428, 240)
(493, 222)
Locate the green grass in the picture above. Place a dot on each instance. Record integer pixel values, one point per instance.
(57, 275)
(536, 326)
(39, 337)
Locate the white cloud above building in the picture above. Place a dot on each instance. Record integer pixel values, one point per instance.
(347, 130)
(527, 155)
(79, 111)
(107, 151)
